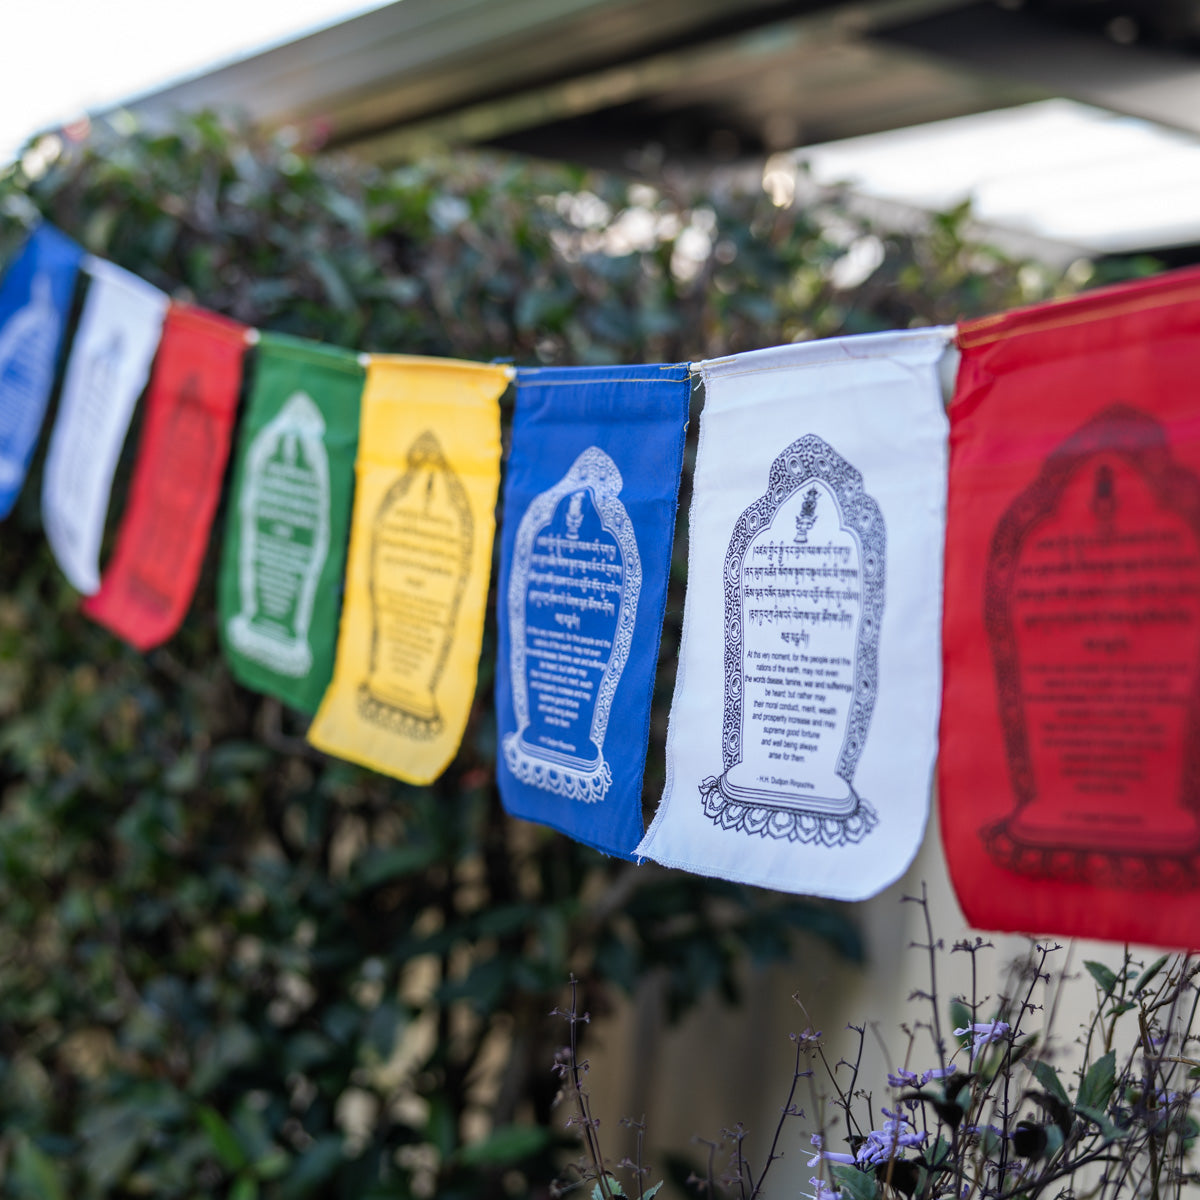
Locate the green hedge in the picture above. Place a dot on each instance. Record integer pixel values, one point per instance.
(229, 966)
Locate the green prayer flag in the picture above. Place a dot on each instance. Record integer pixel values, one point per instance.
(280, 585)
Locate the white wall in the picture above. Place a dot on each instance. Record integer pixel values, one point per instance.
(725, 1065)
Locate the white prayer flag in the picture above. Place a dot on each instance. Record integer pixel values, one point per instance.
(110, 361)
(803, 730)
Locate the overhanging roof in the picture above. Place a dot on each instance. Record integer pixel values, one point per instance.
(704, 82)
(765, 72)
(600, 80)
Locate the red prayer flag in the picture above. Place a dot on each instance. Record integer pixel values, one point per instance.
(1069, 772)
(176, 482)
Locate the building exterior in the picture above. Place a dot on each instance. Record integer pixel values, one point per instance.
(698, 80)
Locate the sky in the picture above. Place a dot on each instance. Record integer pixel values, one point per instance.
(68, 57)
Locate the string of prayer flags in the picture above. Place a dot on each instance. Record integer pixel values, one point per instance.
(35, 303)
(585, 553)
(280, 581)
(419, 566)
(110, 359)
(176, 483)
(802, 734)
(1070, 767)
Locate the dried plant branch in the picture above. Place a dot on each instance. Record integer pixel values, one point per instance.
(1006, 1128)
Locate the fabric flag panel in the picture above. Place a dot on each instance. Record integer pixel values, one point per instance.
(1070, 767)
(589, 515)
(419, 566)
(803, 730)
(176, 484)
(35, 303)
(289, 513)
(114, 346)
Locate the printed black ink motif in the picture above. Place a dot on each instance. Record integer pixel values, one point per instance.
(283, 511)
(177, 491)
(422, 541)
(804, 594)
(28, 345)
(76, 471)
(572, 607)
(1092, 610)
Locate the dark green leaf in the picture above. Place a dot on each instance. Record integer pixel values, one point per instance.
(313, 1169)
(1054, 1140)
(506, 1146)
(939, 1155)
(441, 1128)
(379, 867)
(1098, 1083)
(225, 1145)
(245, 1187)
(1108, 1130)
(1149, 974)
(113, 1137)
(1106, 981)
(854, 1183)
(34, 1175)
(1047, 1076)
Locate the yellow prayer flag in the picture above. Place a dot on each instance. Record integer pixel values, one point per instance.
(418, 568)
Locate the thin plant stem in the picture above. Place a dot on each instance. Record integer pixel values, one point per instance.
(788, 1111)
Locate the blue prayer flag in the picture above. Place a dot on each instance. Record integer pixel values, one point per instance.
(585, 553)
(35, 302)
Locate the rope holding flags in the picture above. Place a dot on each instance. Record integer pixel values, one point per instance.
(805, 722)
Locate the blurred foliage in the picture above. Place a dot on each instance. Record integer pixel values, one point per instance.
(231, 967)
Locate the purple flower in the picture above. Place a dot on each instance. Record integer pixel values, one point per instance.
(903, 1078)
(1015, 1166)
(831, 1156)
(980, 1130)
(984, 1033)
(884, 1144)
(823, 1191)
(938, 1073)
